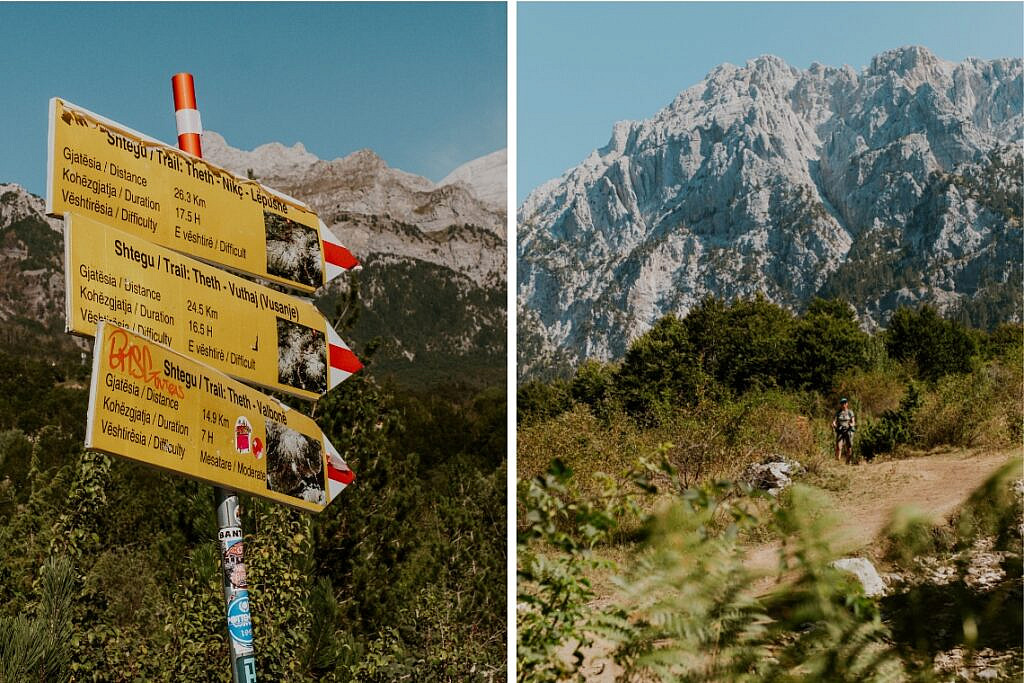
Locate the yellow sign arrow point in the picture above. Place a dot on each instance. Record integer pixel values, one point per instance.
(151, 404)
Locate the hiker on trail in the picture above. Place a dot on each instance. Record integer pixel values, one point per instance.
(844, 425)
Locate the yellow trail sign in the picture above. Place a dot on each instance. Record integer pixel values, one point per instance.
(106, 171)
(150, 404)
(243, 329)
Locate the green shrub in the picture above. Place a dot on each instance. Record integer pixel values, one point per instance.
(871, 392)
(593, 386)
(827, 341)
(747, 344)
(893, 428)
(1006, 342)
(661, 370)
(15, 460)
(935, 346)
(537, 400)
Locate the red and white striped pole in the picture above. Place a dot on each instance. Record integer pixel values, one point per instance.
(186, 114)
(229, 522)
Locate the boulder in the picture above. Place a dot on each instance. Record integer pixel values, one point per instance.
(865, 572)
(773, 474)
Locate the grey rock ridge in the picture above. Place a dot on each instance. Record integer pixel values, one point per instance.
(31, 261)
(433, 286)
(894, 185)
(413, 217)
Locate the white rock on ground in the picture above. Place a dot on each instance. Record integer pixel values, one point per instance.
(772, 474)
(865, 573)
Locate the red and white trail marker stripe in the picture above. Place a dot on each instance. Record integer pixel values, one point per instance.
(338, 473)
(342, 361)
(337, 258)
(186, 115)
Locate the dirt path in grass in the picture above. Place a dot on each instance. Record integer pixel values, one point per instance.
(935, 484)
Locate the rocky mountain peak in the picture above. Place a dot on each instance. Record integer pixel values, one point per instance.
(271, 159)
(362, 182)
(365, 160)
(486, 177)
(912, 62)
(17, 203)
(766, 178)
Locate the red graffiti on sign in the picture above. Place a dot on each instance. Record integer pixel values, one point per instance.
(136, 361)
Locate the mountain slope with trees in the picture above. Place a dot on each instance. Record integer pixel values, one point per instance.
(110, 570)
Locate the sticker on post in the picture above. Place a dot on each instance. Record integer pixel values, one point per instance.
(234, 564)
(239, 622)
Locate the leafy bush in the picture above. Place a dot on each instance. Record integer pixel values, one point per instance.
(893, 428)
(871, 392)
(747, 344)
(684, 609)
(661, 370)
(593, 386)
(936, 346)
(536, 400)
(578, 437)
(1006, 342)
(16, 459)
(827, 341)
(553, 590)
(956, 412)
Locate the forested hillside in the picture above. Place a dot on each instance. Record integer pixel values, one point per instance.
(110, 570)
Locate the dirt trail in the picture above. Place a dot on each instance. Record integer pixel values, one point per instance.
(934, 484)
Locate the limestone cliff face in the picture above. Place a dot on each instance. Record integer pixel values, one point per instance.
(31, 260)
(895, 185)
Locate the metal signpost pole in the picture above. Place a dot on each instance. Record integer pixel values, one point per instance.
(229, 523)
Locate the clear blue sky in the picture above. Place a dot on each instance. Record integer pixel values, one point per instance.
(422, 84)
(584, 66)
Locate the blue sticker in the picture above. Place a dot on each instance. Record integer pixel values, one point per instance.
(239, 623)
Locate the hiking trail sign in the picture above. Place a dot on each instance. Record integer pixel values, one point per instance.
(156, 406)
(127, 180)
(241, 328)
